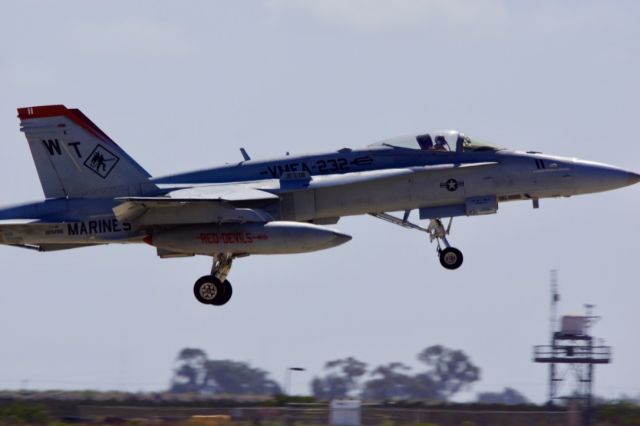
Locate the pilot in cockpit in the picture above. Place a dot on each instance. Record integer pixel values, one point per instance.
(425, 142)
(441, 143)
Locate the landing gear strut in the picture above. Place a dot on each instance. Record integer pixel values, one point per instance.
(450, 257)
(215, 289)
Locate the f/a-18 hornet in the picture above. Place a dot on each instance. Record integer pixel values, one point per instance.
(96, 194)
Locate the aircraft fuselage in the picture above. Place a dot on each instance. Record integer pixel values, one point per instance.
(507, 176)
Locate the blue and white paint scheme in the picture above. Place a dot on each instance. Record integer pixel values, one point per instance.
(97, 194)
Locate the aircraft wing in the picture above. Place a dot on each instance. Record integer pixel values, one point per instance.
(226, 192)
(200, 204)
(241, 203)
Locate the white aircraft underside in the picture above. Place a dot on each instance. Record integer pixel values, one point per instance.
(97, 194)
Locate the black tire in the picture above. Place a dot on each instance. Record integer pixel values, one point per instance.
(451, 258)
(208, 290)
(227, 291)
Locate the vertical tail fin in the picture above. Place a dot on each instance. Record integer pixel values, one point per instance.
(74, 158)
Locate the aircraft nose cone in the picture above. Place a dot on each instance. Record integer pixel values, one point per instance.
(597, 177)
(340, 238)
(633, 178)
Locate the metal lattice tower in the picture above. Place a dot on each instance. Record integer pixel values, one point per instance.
(572, 352)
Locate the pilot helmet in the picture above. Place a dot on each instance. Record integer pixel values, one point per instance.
(425, 141)
(440, 140)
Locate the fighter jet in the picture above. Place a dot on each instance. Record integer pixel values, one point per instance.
(97, 194)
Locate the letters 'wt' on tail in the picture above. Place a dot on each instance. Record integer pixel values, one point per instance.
(74, 158)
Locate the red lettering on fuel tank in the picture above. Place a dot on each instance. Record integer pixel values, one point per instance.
(208, 238)
(230, 237)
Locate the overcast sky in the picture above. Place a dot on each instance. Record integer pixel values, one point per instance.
(183, 85)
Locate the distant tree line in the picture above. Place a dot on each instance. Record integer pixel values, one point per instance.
(508, 396)
(196, 373)
(447, 372)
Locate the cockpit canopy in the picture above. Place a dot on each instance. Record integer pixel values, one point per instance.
(442, 141)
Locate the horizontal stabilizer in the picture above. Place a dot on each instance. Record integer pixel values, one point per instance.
(24, 223)
(13, 231)
(52, 247)
(9, 222)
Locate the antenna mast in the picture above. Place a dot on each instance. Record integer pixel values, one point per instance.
(555, 298)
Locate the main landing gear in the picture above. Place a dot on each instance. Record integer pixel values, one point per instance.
(450, 257)
(215, 289)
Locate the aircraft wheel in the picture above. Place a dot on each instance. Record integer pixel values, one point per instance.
(227, 291)
(208, 289)
(451, 258)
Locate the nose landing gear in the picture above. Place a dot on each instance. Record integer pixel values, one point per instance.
(215, 289)
(450, 257)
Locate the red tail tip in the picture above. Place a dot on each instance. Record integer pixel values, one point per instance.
(148, 239)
